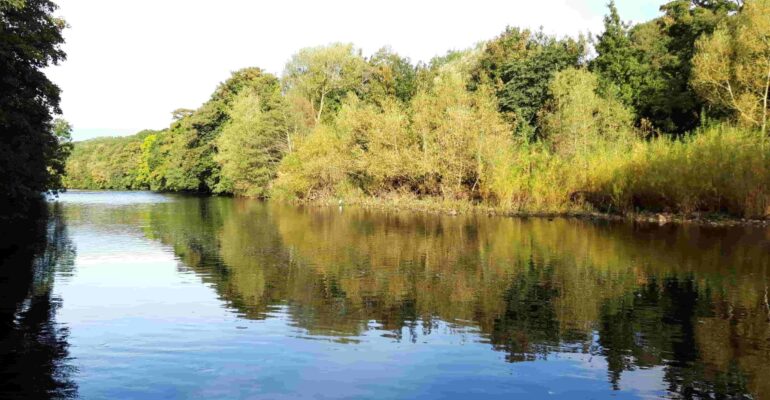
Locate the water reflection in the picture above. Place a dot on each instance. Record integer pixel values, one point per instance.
(676, 311)
(34, 353)
(690, 300)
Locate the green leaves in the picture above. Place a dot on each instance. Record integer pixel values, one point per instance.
(253, 142)
(31, 153)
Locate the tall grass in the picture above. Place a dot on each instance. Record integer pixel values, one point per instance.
(720, 169)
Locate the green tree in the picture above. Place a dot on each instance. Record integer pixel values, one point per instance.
(456, 131)
(732, 65)
(188, 147)
(31, 154)
(383, 145)
(518, 65)
(497, 53)
(253, 142)
(616, 61)
(666, 46)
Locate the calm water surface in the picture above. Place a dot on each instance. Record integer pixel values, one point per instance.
(144, 296)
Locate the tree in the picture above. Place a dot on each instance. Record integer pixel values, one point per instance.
(616, 61)
(31, 155)
(253, 142)
(384, 147)
(188, 147)
(323, 75)
(456, 130)
(62, 130)
(518, 65)
(390, 75)
(732, 65)
(579, 117)
(666, 46)
(497, 53)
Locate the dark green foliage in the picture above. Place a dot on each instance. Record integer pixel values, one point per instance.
(31, 158)
(675, 107)
(651, 64)
(526, 81)
(617, 62)
(520, 65)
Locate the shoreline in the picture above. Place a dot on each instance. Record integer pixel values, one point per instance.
(457, 208)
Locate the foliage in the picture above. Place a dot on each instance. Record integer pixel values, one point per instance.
(617, 62)
(457, 129)
(650, 64)
(732, 65)
(323, 75)
(666, 98)
(383, 145)
(318, 166)
(109, 163)
(517, 124)
(519, 65)
(580, 119)
(32, 146)
(254, 140)
(719, 170)
(390, 75)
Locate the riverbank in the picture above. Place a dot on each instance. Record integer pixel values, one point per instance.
(456, 207)
(438, 206)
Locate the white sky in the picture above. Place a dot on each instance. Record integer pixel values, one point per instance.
(131, 62)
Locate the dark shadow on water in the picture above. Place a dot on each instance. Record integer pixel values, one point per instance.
(34, 356)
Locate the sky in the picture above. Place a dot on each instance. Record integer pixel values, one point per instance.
(131, 62)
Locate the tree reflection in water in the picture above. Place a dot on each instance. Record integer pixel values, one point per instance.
(689, 300)
(34, 357)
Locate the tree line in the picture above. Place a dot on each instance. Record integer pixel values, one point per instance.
(667, 115)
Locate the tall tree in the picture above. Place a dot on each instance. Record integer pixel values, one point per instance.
(732, 66)
(323, 75)
(672, 105)
(525, 90)
(616, 61)
(188, 147)
(518, 65)
(31, 156)
(254, 140)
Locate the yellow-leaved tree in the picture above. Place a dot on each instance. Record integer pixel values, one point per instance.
(458, 131)
(731, 68)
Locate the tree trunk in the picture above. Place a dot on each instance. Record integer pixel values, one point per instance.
(764, 101)
(320, 108)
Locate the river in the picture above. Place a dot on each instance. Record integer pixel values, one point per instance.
(138, 295)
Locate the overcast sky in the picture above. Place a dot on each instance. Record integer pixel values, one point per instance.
(131, 62)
